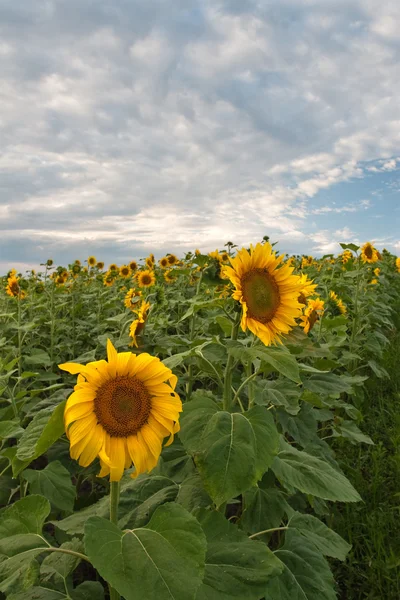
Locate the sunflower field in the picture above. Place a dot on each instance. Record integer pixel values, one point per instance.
(177, 429)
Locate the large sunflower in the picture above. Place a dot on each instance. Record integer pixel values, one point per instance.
(267, 291)
(92, 261)
(146, 278)
(369, 253)
(164, 262)
(121, 411)
(124, 271)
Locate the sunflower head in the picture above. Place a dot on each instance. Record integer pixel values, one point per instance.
(138, 324)
(77, 262)
(132, 298)
(224, 257)
(49, 262)
(120, 411)
(133, 265)
(398, 264)
(100, 265)
(172, 259)
(168, 277)
(337, 305)
(113, 267)
(13, 288)
(369, 253)
(311, 314)
(91, 261)
(164, 262)
(267, 291)
(146, 278)
(108, 279)
(124, 271)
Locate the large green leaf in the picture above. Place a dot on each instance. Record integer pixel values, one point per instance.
(312, 475)
(44, 429)
(10, 429)
(325, 539)
(138, 500)
(20, 541)
(306, 574)
(264, 509)
(53, 482)
(164, 560)
(278, 360)
(58, 563)
(236, 567)
(88, 590)
(231, 450)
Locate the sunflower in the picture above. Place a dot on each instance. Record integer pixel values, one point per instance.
(224, 257)
(133, 265)
(150, 261)
(64, 275)
(121, 411)
(369, 253)
(398, 264)
(373, 281)
(172, 259)
(100, 265)
(311, 314)
(60, 280)
(339, 303)
(113, 267)
(77, 262)
(164, 262)
(267, 291)
(346, 256)
(49, 262)
(13, 288)
(169, 278)
(216, 255)
(146, 278)
(308, 288)
(124, 271)
(91, 261)
(130, 296)
(138, 324)
(377, 272)
(108, 279)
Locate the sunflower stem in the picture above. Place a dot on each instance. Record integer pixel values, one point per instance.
(227, 402)
(189, 387)
(114, 501)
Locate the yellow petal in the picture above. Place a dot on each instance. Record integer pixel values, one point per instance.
(137, 452)
(152, 440)
(92, 448)
(72, 368)
(117, 457)
(79, 411)
(81, 428)
(112, 356)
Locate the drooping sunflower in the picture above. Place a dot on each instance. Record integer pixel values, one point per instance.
(121, 411)
(131, 298)
(311, 314)
(77, 262)
(172, 259)
(369, 253)
(133, 265)
(146, 278)
(100, 265)
(308, 288)
(108, 279)
(91, 261)
(138, 324)
(267, 291)
(338, 302)
(49, 262)
(150, 261)
(164, 262)
(124, 271)
(169, 278)
(12, 288)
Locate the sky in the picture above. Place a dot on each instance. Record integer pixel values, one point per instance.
(129, 127)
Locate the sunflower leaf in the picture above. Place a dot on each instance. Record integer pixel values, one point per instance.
(164, 560)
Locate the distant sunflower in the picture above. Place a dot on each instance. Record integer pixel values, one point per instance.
(60, 280)
(311, 314)
(49, 262)
(108, 279)
(308, 288)
(369, 253)
(100, 265)
(224, 257)
(150, 261)
(398, 264)
(215, 254)
(131, 298)
(164, 262)
(373, 281)
(146, 278)
(346, 256)
(113, 267)
(13, 288)
(121, 411)
(339, 303)
(138, 324)
(124, 271)
(133, 265)
(169, 278)
(377, 272)
(91, 261)
(267, 291)
(172, 259)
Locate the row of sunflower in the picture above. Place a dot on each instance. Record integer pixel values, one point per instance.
(203, 463)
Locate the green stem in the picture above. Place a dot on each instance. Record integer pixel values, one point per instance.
(114, 501)
(247, 381)
(355, 321)
(189, 386)
(267, 531)
(227, 402)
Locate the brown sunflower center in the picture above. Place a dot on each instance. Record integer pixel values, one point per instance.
(261, 294)
(125, 271)
(368, 251)
(14, 287)
(122, 406)
(146, 279)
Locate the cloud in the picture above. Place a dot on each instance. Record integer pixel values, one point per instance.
(130, 126)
